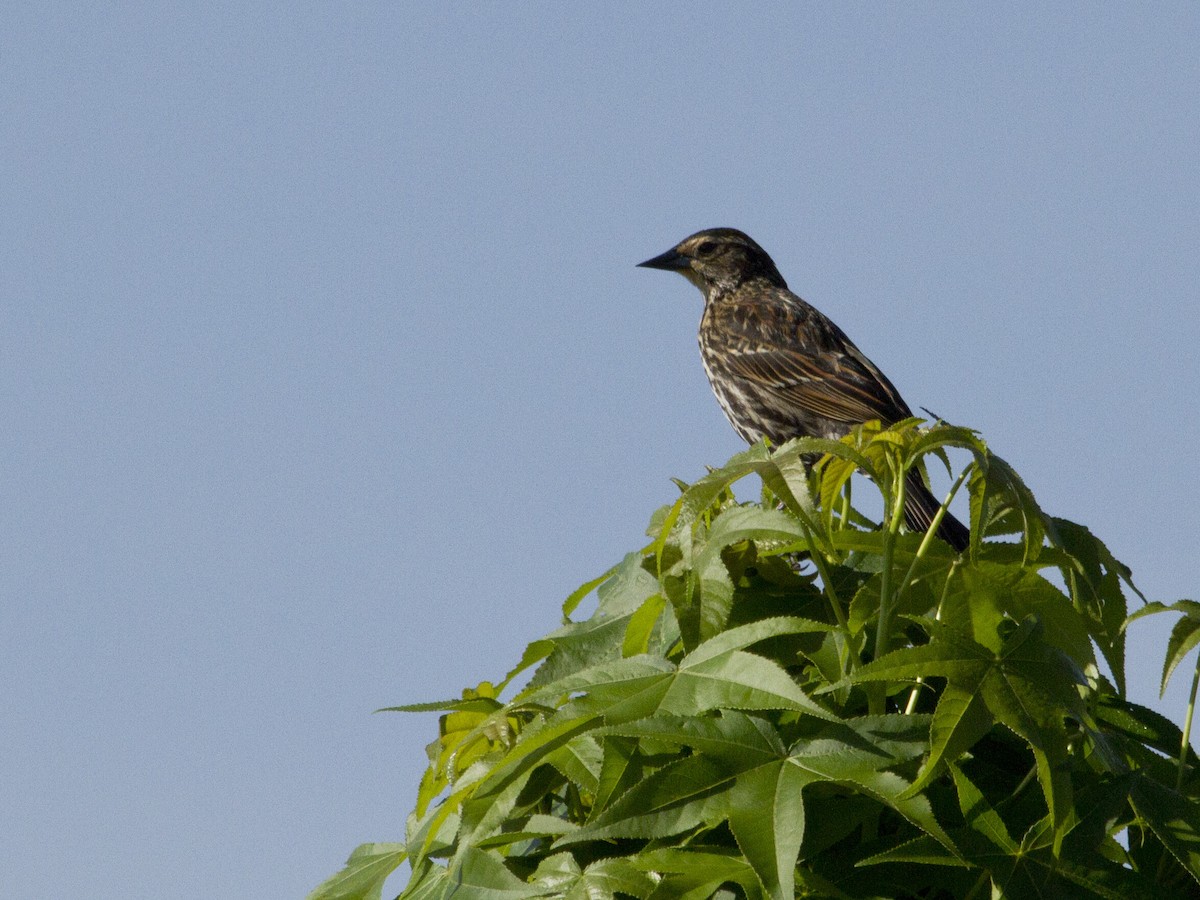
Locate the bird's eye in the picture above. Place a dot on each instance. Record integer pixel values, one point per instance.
(706, 249)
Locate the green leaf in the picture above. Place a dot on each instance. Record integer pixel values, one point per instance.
(364, 874)
(641, 625)
(1094, 577)
(696, 873)
(749, 522)
(924, 850)
(750, 634)
(576, 597)
(715, 676)
(998, 493)
(886, 787)
(1174, 819)
(532, 828)
(1140, 724)
(699, 497)
(625, 587)
(1019, 594)
(960, 719)
(580, 645)
(1028, 686)
(979, 814)
(429, 882)
(622, 767)
(767, 820)
(737, 680)
(735, 739)
(531, 750)
(1189, 608)
(1184, 637)
(483, 876)
(579, 761)
(607, 877)
(559, 875)
(676, 798)
(534, 653)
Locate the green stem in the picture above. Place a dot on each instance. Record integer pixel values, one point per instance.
(834, 603)
(908, 576)
(845, 506)
(1025, 782)
(935, 524)
(937, 616)
(1187, 727)
(876, 698)
(886, 600)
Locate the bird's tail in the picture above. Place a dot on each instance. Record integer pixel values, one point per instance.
(920, 506)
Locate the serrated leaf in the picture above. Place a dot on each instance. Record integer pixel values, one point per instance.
(749, 634)
(767, 819)
(531, 750)
(610, 877)
(1141, 724)
(364, 874)
(1184, 637)
(577, 596)
(641, 626)
(749, 522)
(696, 874)
(482, 875)
(733, 738)
(714, 676)
(676, 798)
(1029, 687)
(579, 761)
(979, 814)
(621, 768)
(847, 754)
(960, 719)
(1020, 593)
(579, 645)
(1095, 578)
(923, 850)
(1174, 819)
(428, 882)
(737, 680)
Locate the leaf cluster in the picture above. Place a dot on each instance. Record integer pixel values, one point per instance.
(782, 698)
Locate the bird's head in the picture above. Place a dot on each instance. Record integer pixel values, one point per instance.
(718, 259)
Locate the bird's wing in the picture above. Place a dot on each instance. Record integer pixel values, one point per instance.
(803, 358)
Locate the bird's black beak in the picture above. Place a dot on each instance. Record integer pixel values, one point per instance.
(671, 261)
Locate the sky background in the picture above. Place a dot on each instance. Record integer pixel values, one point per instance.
(327, 373)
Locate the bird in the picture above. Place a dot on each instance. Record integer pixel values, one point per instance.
(779, 367)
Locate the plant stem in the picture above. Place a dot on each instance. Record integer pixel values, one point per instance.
(937, 616)
(1187, 727)
(933, 526)
(876, 698)
(818, 559)
(929, 533)
(886, 600)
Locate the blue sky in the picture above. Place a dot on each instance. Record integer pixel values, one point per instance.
(327, 372)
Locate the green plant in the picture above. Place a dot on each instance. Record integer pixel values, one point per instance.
(781, 699)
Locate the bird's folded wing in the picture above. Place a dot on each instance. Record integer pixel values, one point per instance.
(820, 372)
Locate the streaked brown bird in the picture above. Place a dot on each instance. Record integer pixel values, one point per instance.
(779, 367)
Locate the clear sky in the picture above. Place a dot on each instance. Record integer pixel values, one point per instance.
(327, 373)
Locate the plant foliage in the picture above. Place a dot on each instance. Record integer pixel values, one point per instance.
(782, 699)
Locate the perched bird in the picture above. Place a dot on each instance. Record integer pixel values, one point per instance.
(779, 367)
